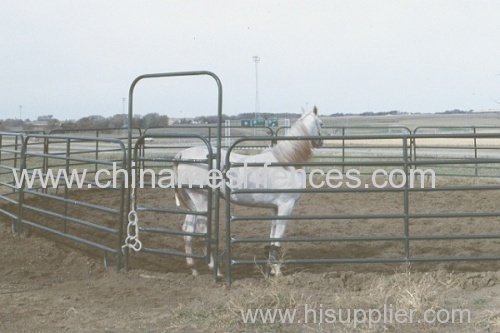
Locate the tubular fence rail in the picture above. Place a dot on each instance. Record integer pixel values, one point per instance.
(231, 133)
(470, 147)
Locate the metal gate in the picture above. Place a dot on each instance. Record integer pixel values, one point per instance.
(158, 217)
(142, 154)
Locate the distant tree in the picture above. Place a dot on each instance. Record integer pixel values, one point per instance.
(455, 111)
(44, 118)
(68, 125)
(51, 124)
(13, 123)
(28, 126)
(91, 122)
(117, 121)
(136, 121)
(154, 120)
(182, 121)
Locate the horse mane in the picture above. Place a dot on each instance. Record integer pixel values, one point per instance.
(294, 151)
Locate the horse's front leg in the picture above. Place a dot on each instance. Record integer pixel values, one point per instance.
(189, 226)
(201, 227)
(277, 231)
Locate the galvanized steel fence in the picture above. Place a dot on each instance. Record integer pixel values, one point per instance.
(57, 213)
(403, 214)
(86, 219)
(54, 207)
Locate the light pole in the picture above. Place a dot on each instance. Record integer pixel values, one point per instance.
(20, 112)
(123, 111)
(256, 59)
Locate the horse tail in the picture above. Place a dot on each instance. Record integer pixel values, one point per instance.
(180, 194)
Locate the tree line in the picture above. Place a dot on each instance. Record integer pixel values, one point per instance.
(89, 122)
(157, 120)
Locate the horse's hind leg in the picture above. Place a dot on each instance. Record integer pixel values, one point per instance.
(189, 226)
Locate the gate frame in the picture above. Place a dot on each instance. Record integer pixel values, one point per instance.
(216, 156)
(139, 159)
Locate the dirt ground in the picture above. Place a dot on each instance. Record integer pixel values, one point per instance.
(48, 284)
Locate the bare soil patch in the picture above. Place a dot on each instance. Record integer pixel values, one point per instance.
(48, 284)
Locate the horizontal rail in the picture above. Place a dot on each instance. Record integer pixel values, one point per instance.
(364, 238)
(72, 219)
(72, 237)
(362, 260)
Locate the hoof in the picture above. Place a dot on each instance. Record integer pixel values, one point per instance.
(273, 252)
(276, 270)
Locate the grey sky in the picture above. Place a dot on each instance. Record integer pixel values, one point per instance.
(78, 58)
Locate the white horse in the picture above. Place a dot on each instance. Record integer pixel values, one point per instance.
(288, 151)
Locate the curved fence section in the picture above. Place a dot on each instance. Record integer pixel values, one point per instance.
(11, 161)
(61, 184)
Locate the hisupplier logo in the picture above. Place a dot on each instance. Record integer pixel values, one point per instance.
(238, 177)
(387, 314)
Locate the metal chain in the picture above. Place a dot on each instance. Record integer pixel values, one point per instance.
(132, 241)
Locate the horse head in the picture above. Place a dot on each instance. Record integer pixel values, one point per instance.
(313, 124)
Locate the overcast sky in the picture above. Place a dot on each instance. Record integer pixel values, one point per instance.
(78, 58)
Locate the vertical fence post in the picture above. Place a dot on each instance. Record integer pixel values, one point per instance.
(68, 156)
(475, 150)
(227, 133)
(123, 192)
(96, 150)
(16, 139)
(343, 150)
(22, 167)
(45, 158)
(228, 224)
(406, 199)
